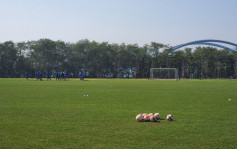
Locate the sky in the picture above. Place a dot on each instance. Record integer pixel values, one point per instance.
(139, 22)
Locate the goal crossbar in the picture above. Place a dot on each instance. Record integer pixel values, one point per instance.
(174, 76)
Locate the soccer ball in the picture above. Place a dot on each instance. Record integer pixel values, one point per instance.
(146, 117)
(169, 117)
(151, 114)
(157, 116)
(139, 117)
(153, 118)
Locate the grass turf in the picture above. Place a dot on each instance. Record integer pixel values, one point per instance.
(50, 114)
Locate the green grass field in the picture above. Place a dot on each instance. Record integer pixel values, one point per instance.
(55, 115)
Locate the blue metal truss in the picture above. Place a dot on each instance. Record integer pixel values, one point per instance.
(208, 42)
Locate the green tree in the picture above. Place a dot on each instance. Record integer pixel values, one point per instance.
(8, 57)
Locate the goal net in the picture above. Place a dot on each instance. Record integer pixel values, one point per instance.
(164, 74)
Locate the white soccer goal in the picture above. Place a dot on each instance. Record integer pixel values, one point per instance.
(164, 74)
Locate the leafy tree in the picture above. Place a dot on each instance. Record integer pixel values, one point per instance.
(8, 57)
(113, 60)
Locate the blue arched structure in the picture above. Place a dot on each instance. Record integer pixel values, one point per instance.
(210, 42)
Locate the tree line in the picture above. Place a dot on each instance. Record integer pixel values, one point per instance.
(105, 60)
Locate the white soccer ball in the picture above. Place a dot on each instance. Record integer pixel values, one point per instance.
(139, 117)
(153, 118)
(169, 117)
(146, 117)
(151, 114)
(157, 116)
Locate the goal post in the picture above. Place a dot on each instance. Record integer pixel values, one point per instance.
(164, 74)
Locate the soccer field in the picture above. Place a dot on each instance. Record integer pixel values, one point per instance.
(53, 114)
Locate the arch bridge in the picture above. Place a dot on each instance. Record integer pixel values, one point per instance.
(210, 42)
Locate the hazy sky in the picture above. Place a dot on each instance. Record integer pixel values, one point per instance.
(116, 21)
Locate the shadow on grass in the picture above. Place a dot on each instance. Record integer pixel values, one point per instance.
(158, 121)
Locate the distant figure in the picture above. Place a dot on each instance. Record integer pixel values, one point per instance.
(27, 75)
(66, 75)
(37, 75)
(40, 75)
(63, 75)
(57, 76)
(81, 76)
(48, 76)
